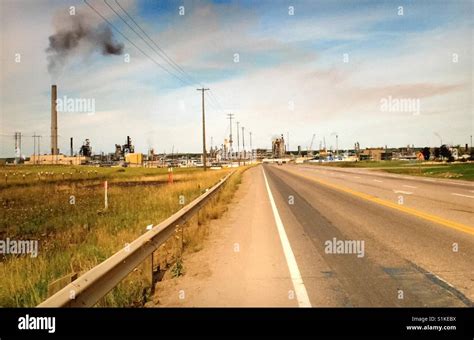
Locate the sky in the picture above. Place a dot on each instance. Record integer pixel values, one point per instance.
(304, 68)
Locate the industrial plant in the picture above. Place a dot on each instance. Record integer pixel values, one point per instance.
(224, 155)
(124, 154)
(312, 158)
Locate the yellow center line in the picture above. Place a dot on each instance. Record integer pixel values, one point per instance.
(436, 219)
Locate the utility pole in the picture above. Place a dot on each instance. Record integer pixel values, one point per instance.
(204, 156)
(243, 142)
(39, 145)
(337, 146)
(251, 150)
(230, 116)
(211, 151)
(238, 143)
(34, 147)
(288, 140)
(37, 154)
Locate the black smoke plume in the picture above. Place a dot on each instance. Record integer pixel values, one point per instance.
(75, 36)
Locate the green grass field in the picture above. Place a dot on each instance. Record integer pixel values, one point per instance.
(463, 171)
(75, 233)
(369, 164)
(452, 171)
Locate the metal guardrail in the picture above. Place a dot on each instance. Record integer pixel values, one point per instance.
(86, 290)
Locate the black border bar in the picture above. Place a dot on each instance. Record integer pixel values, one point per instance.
(291, 323)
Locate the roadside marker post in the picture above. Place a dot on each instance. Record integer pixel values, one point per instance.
(170, 175)
(106, 201)
(94, 284)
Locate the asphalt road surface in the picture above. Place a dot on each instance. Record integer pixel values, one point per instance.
(418, 236)
(319, 236)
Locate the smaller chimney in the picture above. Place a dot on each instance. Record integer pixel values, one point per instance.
(72, 147)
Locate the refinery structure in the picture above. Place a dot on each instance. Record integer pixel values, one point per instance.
(225, 154)
(124, 154)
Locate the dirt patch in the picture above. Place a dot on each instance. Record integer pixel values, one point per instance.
(239, 262)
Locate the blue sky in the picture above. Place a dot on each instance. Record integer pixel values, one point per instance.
(291, 75)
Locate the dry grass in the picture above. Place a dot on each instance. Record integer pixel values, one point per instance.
(25, 175)
(190, 237)
(76, 237)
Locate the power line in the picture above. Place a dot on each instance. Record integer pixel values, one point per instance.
(183, 76)
(146, 42)
(131, 42)
(170, 61)
(214, 98)
(163, 55)
(213, 103)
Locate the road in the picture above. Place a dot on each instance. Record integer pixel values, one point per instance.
(320, 236)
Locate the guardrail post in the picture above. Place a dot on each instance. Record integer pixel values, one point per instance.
(147, 270)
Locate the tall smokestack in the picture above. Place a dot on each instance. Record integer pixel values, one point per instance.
(72, 147)
(54, 121)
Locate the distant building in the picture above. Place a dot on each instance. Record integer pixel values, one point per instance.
(134, 159)
(375, 154)
(278, 147)
(57, 159)
(263, 153)
(406, 153)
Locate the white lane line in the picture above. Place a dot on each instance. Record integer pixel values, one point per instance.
(402, 192)
(409, 186)
(356, 177)
(298, 284)
(377, 180)
(455, 194)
